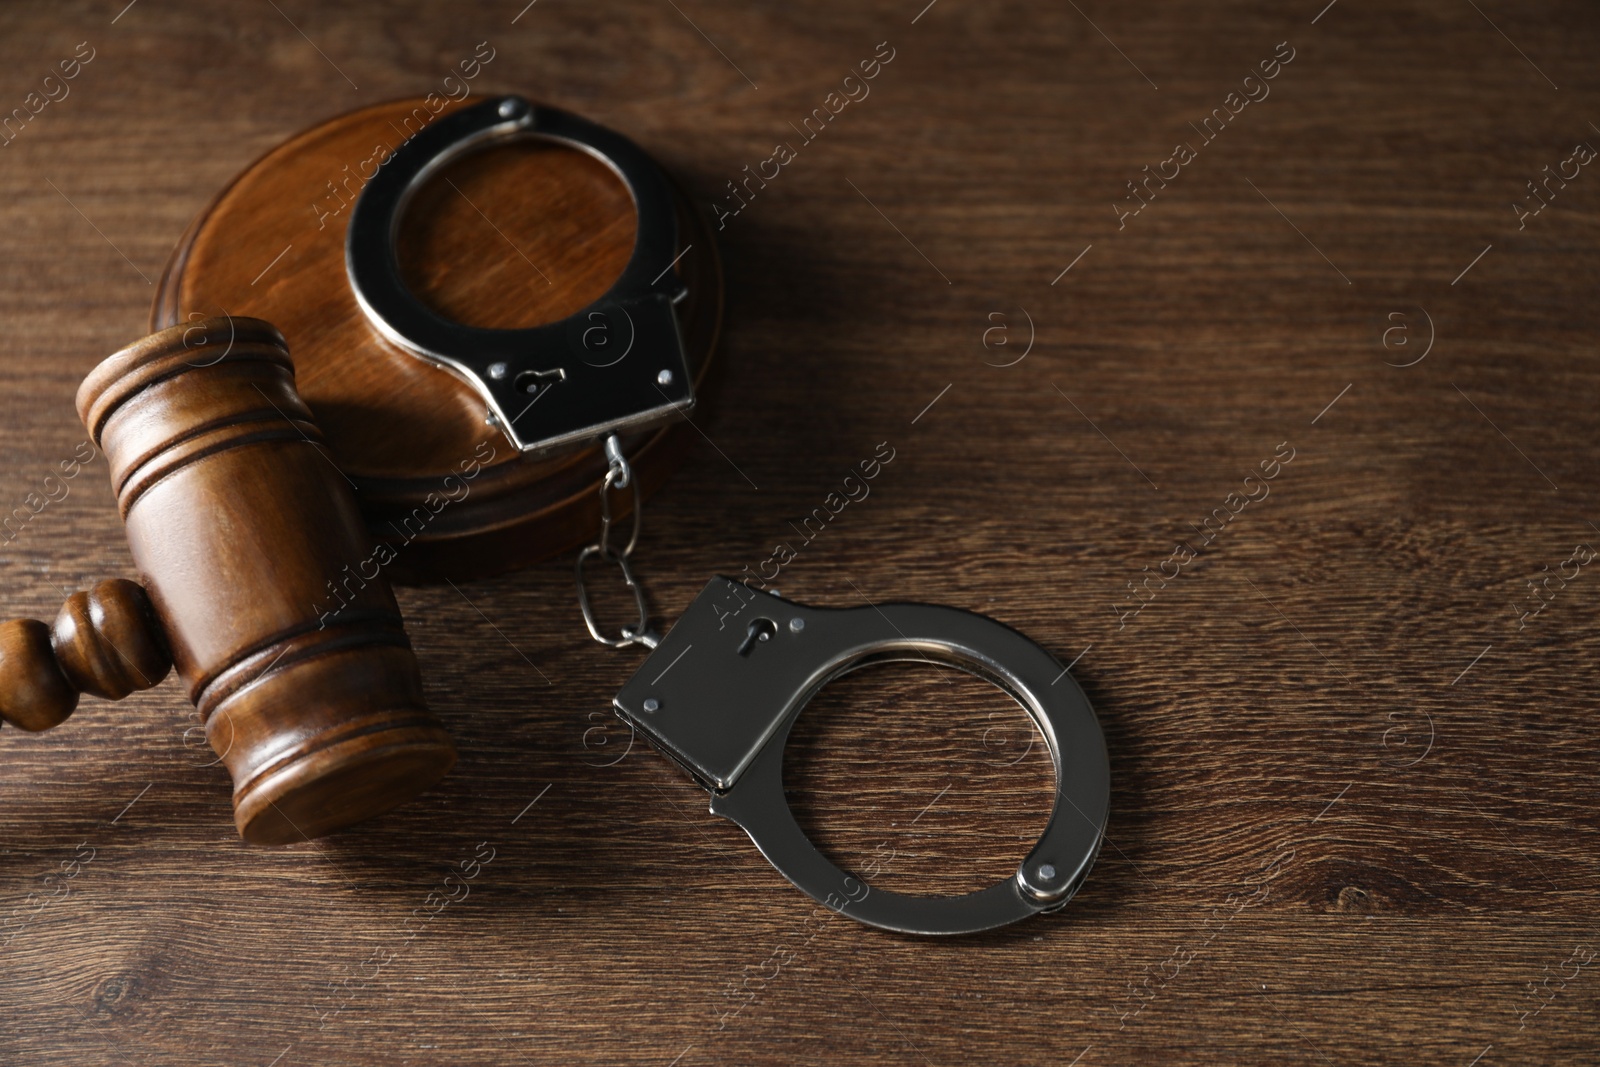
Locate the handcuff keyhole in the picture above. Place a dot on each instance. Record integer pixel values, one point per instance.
(534, 382)
(760, 630)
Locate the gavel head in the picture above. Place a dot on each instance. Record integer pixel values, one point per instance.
(262, 580)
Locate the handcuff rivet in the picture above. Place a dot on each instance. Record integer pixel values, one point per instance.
(594, 401)
(664, 379)
(734, 709)
(796, 625)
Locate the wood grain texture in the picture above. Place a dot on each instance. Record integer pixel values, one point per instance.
(105, 641)
(267, 590)
(35, 694)
(108, 641)
(518, 235)
(1352, 810)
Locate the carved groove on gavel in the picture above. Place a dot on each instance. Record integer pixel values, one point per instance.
(240, 525)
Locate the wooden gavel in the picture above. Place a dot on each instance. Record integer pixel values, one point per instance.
(243, 531)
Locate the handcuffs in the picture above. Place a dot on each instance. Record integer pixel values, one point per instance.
(721, 691)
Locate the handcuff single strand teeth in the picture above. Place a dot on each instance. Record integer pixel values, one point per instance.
(721, 691)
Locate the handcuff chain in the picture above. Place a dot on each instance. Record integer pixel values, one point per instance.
(619, 476)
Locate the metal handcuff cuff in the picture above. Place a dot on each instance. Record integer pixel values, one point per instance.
(721, 691)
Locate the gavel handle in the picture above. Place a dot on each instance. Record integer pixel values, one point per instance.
(106, 642)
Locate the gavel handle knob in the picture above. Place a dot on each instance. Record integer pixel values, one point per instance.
(105, 642)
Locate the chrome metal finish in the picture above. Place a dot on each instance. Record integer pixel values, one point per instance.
(618, 463)
(722, 690)
(638, 634)
(603, 363)
(619, 475)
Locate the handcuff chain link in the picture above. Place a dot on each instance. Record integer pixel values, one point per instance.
(619, 475)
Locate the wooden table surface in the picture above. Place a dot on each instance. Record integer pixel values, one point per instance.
(1353, 741)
